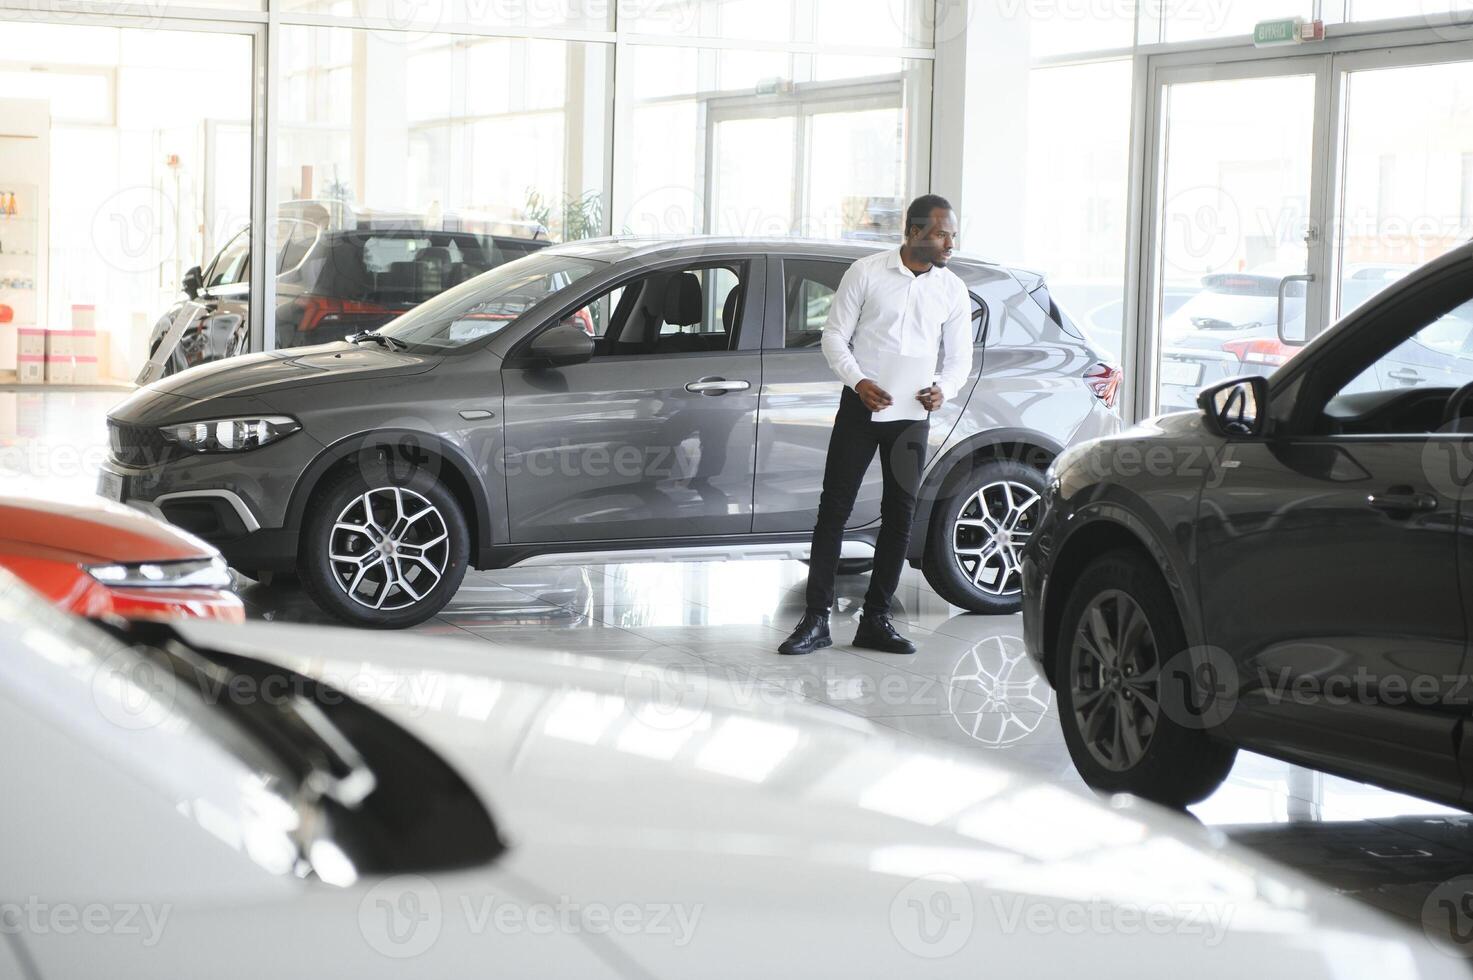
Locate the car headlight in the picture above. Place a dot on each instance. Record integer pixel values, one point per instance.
(230, 435)
(199, 573)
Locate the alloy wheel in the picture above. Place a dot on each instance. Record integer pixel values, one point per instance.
(988, 535)
(1115, 680)
(389, 548)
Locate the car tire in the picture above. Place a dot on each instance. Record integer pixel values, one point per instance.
(965, 560)
(383, 548)
(1165, 761)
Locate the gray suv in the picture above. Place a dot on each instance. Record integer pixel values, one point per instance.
(619, 399)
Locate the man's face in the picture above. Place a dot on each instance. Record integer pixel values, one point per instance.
(935, 242)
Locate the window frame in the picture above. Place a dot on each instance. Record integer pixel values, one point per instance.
(749, 332)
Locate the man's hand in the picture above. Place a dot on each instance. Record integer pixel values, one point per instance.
(930, 398)
(875, 398)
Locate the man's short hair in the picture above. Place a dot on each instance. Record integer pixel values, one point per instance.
(920, 210)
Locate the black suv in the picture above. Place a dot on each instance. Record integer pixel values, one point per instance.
(334, 277)
(1286, 569)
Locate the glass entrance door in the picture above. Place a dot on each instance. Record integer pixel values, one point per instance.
(1301, 187)
(1234, 205)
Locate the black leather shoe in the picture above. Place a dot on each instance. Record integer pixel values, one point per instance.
(878, 633)
(811, 633)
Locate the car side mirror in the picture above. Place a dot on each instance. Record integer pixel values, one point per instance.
(1236, 408)
(565, 344)
(194, 281)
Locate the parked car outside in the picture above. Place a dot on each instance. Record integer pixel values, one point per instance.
(339, 271)
(485, 428)
(1231, 327)
(542, 815)
(105, 560)
(1284, 569)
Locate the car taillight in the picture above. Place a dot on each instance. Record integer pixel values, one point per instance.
(318, 311)
(1104, 380)
(1268, 351)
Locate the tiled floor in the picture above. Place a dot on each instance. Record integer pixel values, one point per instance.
(970, 683)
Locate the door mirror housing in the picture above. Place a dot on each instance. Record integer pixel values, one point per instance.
(194, 281)
(1236, 409)
(565, 344)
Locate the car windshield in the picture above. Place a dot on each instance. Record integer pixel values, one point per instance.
(486, 305)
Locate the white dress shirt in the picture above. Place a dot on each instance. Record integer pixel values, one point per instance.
(888, 324)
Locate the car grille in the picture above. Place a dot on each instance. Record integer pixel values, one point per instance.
(136, 445)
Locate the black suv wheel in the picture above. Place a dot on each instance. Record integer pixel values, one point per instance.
(382, 548)
(1119, 646)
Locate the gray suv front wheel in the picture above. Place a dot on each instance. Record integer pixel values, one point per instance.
(384, 548)
(973, 553)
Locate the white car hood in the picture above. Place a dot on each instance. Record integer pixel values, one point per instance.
(742, 837)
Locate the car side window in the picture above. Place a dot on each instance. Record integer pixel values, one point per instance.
(1440, 355)
(808, 292)
(691, 310)
(233, 262)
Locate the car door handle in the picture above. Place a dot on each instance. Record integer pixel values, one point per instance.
(1398, 501)
(477, 415)
(1405, 376)
(716, 386)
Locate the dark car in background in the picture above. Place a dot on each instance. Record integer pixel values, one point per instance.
(1284, 569)
(339, 271)
(486, 428)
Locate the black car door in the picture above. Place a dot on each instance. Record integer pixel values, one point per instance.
(1327, 559)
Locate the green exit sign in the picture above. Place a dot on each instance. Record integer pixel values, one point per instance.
(1272, 32)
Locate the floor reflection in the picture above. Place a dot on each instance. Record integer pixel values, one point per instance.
(969, 685)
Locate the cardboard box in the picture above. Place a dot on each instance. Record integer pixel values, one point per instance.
(84, 318)
(30, 342)
(30, 369)
(60, 371)
(84, 343)
(58, 344)
(84, 370)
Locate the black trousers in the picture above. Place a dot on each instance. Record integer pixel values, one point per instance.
(852, 447)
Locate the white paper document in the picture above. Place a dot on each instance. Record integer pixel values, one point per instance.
(903, 378)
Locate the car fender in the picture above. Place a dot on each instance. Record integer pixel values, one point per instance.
(954, 463)
(395, 439)
(1169, 549)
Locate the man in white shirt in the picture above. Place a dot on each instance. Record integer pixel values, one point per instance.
(894, 314)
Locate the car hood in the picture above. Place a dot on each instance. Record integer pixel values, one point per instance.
(743, 814)
(259, 374)
(92, 532)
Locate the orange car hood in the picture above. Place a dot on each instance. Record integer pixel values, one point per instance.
(91, 532)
